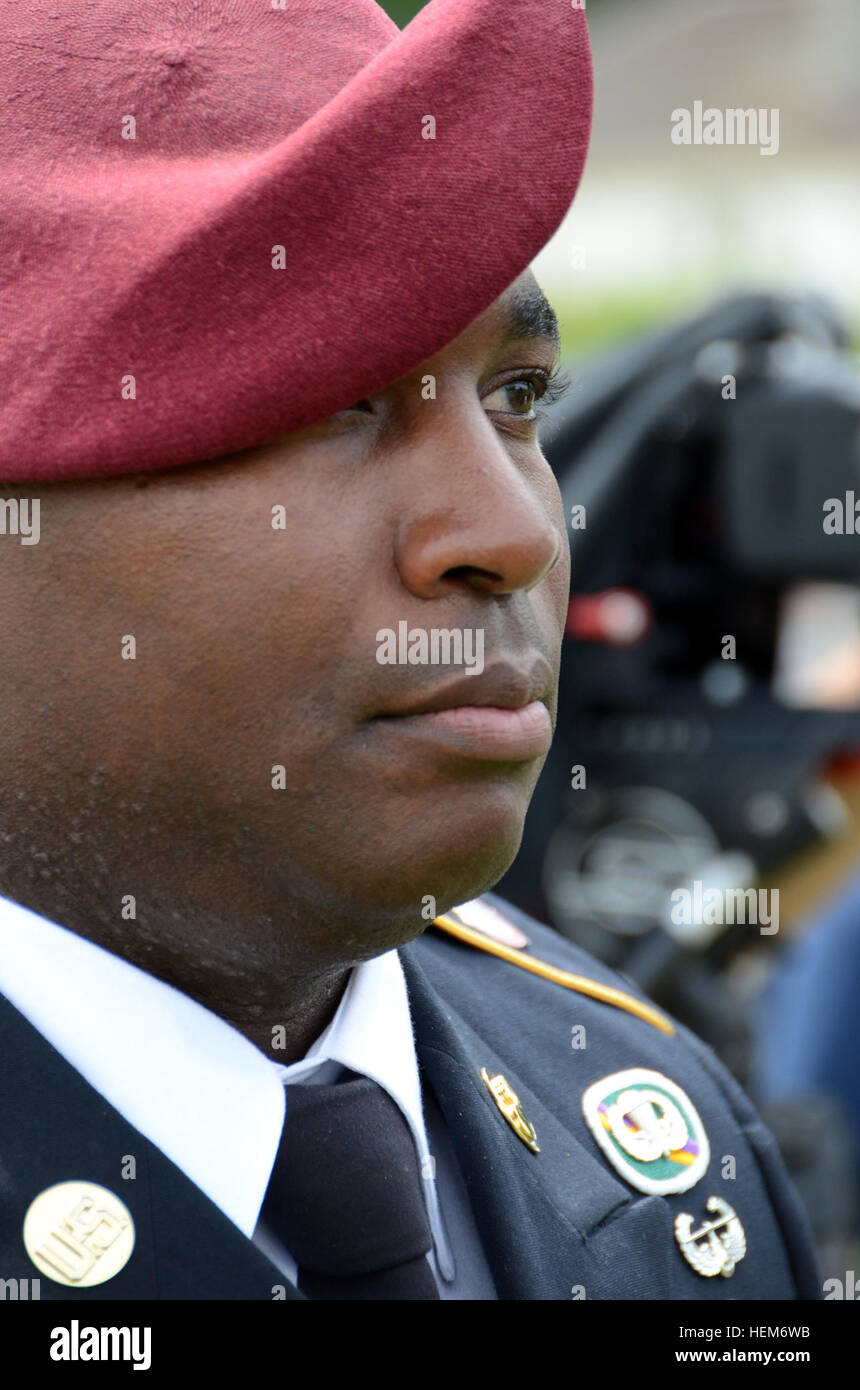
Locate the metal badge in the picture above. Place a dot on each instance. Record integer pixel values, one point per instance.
(78, 1234)
(725, 1242)
(509, 1104)
(649, 1129)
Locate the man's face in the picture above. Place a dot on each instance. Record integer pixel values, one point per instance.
(256, 647)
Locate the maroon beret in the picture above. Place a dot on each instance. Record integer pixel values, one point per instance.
(222, 221)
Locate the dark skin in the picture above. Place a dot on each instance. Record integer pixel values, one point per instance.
(256, 647)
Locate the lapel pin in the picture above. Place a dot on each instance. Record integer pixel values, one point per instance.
(649, 1130)
(724, 1240)
(78, 1234)
(509, 1104)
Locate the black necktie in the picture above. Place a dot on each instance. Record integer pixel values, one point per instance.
(345, 1196)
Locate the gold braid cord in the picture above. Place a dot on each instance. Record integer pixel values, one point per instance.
(605, 993)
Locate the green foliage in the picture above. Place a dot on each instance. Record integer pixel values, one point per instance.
(591, 324)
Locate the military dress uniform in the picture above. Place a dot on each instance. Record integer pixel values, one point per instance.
(590, 1147)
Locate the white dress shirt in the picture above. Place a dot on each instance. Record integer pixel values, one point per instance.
(205, 1095)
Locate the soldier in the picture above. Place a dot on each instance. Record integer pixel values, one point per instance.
(272, 364)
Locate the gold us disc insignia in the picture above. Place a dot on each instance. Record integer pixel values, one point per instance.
(78, 1234)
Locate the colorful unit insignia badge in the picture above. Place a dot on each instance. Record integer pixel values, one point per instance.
(649, 1130)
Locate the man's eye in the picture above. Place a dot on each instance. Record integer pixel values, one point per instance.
(522, 394)
(516, 397)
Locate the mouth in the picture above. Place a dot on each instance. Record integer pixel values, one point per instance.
(503, 715)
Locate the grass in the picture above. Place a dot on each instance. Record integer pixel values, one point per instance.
(591, 323)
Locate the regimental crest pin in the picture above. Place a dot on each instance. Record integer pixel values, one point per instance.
(509, 1104)
(649, 1130)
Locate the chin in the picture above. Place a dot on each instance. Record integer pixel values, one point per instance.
(459, 857)
(376, 866)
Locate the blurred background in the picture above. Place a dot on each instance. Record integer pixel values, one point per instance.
(708, 454)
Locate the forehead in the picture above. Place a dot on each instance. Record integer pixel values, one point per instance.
(528, 312)
(521, 314)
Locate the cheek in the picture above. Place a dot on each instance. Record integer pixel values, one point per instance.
(235, 631)
(561, 580)
(556, 591)
(557, 582)
(261, 639)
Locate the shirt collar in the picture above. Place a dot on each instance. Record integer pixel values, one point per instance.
(204, 1094)
(182, 1076)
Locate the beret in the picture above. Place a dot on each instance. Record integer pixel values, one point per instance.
(223, 220)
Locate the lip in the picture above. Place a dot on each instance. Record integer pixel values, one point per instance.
(500, 716)
(485, 732)
(503, 685)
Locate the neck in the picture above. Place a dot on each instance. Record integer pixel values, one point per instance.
(286, 1031)
(254, 985)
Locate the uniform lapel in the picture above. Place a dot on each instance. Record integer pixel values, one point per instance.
(57, 1128)
(541, 1216)
(547, 1221)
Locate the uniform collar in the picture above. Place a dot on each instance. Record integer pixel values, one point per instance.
(210, 1099)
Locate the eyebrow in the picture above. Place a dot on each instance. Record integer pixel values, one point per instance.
(532, 316)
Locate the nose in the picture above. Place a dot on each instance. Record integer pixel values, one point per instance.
(477, 511)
